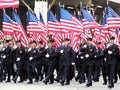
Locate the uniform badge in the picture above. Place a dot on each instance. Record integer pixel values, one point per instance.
(40, 51)
(34, 51)
(20, 51)
(91, 50)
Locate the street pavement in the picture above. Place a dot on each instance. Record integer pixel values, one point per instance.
(56, 86)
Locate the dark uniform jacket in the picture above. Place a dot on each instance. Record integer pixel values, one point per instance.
(52, 54)
(34, 54)
(111, 58)
(19, 53)
(41, 58)
(68, 55)
(89, 50)
(98, 56)
(6, 54)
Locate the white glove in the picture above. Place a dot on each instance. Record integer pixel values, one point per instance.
(29, 49)
(31, 58)
(73, 63)
(61, 51)
(105, 59)
(3, 49)
(81, 57)
(15, 47)
(87, 55)
(18, 59)
(47, 55)
(85, 46)
(109, 52)
(46, 47)
(95, 56)
(79, 52)
(4, 56)
(77, 56)
(108, 45)
(20, 51)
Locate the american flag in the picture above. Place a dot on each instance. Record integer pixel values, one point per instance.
(88, 23)
(53, 27)
(19, 31)
(112, 20)
(92, 28)
(35, 29)
(7, 27)
(9, 3)
(70, 26)
(1, 35)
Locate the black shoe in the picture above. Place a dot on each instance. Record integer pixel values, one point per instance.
(1, 80)
(76, 79)
(89, 84)
(36, 81)
(20, 81)
(80, 81)
(115, 81)
(7, 81)
(14, 80)
(110, 86)
(105, 83)
(57, 80)
(62, 83)
(67, 83)
(45, 81)
(96, 80)
(30, 82)
(41, 78)
(83, 81)
(50, 82)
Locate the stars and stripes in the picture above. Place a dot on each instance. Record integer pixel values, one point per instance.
(9, 3)
(68, 26)
(19, 31)
(7, 27)
(54, 29)
(36, 29)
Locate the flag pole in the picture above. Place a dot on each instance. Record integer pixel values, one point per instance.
(53, 2)
(27, 6)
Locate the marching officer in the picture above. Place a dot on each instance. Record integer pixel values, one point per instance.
(80, 60)
(89, 53)
(66, 58)
(111, 54)
(118, 65)
(31, 63)
(40, 61)
(97, 62)
(50, 54)
(6, 56)
(19, 58)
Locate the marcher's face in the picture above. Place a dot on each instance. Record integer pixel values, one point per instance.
(39, 45)
(50, 44)
(33, 45)
(19, 44)
(89, 42)
(97, 45)
(112, 41)
(6, 44)
(66, 43)
(11, 45)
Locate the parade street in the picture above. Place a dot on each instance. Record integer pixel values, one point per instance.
(56, 86)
